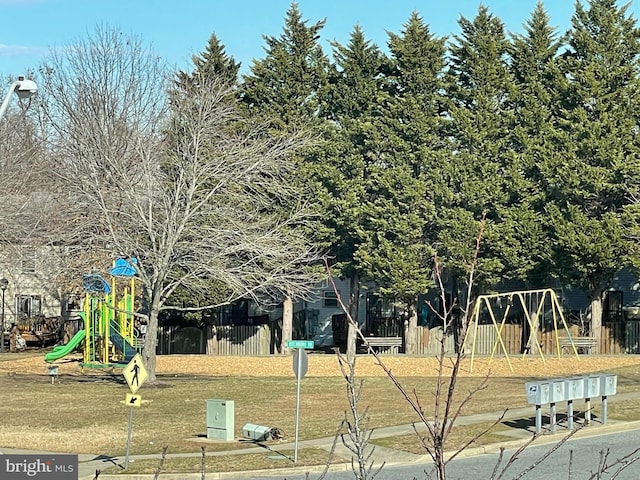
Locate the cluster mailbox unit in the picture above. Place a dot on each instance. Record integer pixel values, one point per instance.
(585, 387)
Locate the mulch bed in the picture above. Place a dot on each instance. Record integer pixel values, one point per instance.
(323, 365)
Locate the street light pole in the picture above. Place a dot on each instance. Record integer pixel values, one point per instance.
(23, 88)
(3, 286)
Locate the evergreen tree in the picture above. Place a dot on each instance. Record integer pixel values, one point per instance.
(212, 62)
(282, 91)
(351, 170)
(283, 86)
(534, 139)
(400, 259)
(482, 173)
(589, 187)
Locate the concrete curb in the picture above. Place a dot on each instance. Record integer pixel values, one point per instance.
(340, 467)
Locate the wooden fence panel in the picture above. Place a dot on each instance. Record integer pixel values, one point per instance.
(548, 339)
(632, 337)
(619, 337)
(513, 338)
(612, 338)
(240, 340)
(616, 338)
(217, 340)
(428, 341)
(484, 337)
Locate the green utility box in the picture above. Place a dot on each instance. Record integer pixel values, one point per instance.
(258, 433)
(220, 419)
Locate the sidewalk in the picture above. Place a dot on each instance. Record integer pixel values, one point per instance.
(515, 436)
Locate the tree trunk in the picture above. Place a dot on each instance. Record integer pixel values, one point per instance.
(596, 316)
(354, 295)
(287, 322)
(151, 342)
(411, 330)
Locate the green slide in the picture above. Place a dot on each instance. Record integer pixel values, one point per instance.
(62, 350)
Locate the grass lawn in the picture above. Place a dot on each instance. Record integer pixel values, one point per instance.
(231, 463)
(85, 412)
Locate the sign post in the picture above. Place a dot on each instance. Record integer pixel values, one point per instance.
(135, 373)
(300, 367)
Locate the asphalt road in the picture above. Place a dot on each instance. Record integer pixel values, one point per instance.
(584, 452)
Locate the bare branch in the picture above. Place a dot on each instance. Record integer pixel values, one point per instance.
(174, 179)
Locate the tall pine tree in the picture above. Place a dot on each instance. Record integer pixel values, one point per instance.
(589, 187)
(534, 139)
(349, 172)
(282, 90)
(482, 173)
(283, 86)
(212, 62)
(401, 258)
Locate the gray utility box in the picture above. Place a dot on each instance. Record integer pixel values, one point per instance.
(220, 419)
(256, 432)
(574, 388)
(608, 384)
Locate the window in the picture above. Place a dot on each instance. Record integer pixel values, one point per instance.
(28, 306)
(28, 260)
(330, 298)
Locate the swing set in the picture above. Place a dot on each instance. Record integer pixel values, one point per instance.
(535, 305)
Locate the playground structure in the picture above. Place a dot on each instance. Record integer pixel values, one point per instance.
(109, 335)
(534, 308)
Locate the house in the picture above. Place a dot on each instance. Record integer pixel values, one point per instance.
(31, 297)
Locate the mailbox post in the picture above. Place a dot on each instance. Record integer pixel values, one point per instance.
(557, 395)
(591, 390)
(608, 386)
(574, 390)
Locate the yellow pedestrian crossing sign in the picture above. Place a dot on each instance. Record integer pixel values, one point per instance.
(133, 400)
(135, 373)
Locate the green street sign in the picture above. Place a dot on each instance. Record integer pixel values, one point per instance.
(308, 344)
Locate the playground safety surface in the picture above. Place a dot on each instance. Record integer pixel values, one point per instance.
(323, 365)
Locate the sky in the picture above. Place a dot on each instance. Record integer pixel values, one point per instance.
(177, 29)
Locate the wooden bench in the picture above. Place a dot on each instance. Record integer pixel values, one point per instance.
(582, 344)
(390, 345)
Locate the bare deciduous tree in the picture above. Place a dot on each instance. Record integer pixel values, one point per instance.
(171, 179)
(28, 193)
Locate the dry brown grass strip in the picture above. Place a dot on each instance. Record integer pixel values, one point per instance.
(325, 365)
